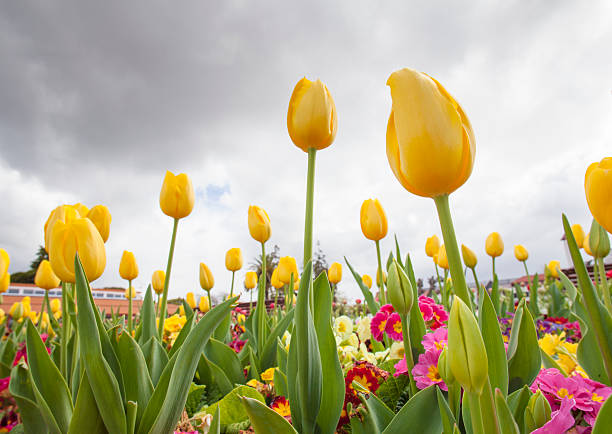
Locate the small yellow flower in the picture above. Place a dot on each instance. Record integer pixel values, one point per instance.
(268, 375)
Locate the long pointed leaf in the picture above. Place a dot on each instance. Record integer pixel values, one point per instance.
(147, 318)
(21, 389)
(265, 420)
(367, 295)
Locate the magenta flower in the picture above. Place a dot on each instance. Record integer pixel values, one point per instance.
(561, 420)
(425, 372)
(387, 308)
(378, 325)
(437, 340)
(434, 314)
(394, 327)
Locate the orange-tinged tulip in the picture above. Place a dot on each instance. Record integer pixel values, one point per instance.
(441, 258)
(79, 235)
(207, 281)
(432, 245)
(367, 280)
(128, 269)
(158, 280)
(520, 253)
(469, 257)
(494, 245)
(56, 305)
(45, 278)
(286, 267)
(275, 281)
(250, 280)
(177, 197)
(430, 142)
(578, 233)
(64, 213)
(130, 293)
(82, 209)
(5, 282)
(553, 268)
(373, 220)
(233, 259)
(101, 218)
(190, 299)
(204, 305)
(259, 224)
(598, 189)
(335, 273)
(311, 118)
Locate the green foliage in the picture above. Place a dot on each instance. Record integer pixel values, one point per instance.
(230, 406)
(196, 399)
(392, 388)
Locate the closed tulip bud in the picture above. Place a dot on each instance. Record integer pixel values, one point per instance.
(598, 189)
(384, 276)
(250, 280)
(82, 209)
(311, 118)
(5, 261)
(469, 257)
(553, 268)
(578, 233)
(16, 310)
(56, 305)
(45, 278)
(537, 412)
(204, 305)
(130, 293)
(128, 269)
(275, 281)
(101, 218)
(181, 310)
(494, 245)
(176, 198)
(296, 286)
(399, 289)
(586, 246)
(63, 213)
(190, 299)
(207, 281)
(259, 224)
(599, 242)
(79, 235)
(286, 267)
(5, 282)
(443, 369)
(158, 280)
(233, 259)
(467, 355)
(373, 220)
(367, 281)
(520, 253)
(430, 142)
(335, 273)
(2, 315)
(441, 258)
(432, 245)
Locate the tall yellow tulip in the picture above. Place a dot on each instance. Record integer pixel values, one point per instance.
(432, 245)
(598, 190)
(259, 224)
(101, 218)
(520, 253)
(275, 281)
(469, 257)
(79, 235)
(553, 268)
(128, 269)
(207, 280)
(130, 293)
(578, 233)
(335, 273)
(5, 261)
(204, 305)
(250, 280)
(441, 258)
(5, 282)
(45, 278)
(63, 213)
(157, 281)
(494, 245)
(190, 299)
(233, 259)
(177, 197)
(367, 280)
(82, 209)
(287, 266)
(373, 220)
(56, 305)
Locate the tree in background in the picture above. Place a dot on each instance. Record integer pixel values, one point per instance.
(319, 262)
(28, 276)
(271, 263)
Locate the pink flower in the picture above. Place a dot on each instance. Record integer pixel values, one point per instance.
(425, 372)
(394, 327)
(437, 340)
(4, 383)
(387, 308)
(378, 325)
(434, 314)
(561, 420)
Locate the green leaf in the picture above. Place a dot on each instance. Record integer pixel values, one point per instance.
(156, 358)
(253, 365)
(280, 383)
(446, 415)
(495, 295)
(292, 387)
(86, 414)
(548, 362)
(494, 342)
(421, 413)
(222, 330)
(20, 387)
(147, 319)
(266, 420)
(195, 398)
(588, 356)
(506, 419)
(391, 389)
(281, 356)
(524, 360)
(230, 406)
(381, 414)
(267, 358)
(226, 359)
(367, 295)
(517, 402)
(604, 418)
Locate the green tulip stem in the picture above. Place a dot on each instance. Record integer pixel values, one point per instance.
(65, 330)
(604, 284)
(164, 302)
(210, 300)
(250, 302)
(595, 277)
(408, 351)
(493, 260)
(312, 153)
(383, 298)
(452, 249)
(475, 412)
(42, 310)
(526, 270)
(476, 282)
(232, 288)
(439, 280)
(130, 307)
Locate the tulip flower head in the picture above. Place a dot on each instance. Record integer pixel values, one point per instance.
(598, 190)
(190, 299)
(432, 245)
(599, 242)
(82, 209)
(311, 117)
(430, 142)
(5, 261)
(158, 280)
(128, 269)
(578, 233)
(384, 276)
(367, 280)
(494, 245)
(335, 273)
(207, 281)
(586, 246)
(373, 220)
(233, 259)
(64, 213)
(101, 218)
(45, 278)
(259, 224)
(56, 305)
(399, 289)
(275, 281)
(250, 280)
(469, 257)
(553, 268)
(441, 258)
(5, 282)
(287, 266)
(177, 197)
(130, 293)
(204, 304)
(520, 253)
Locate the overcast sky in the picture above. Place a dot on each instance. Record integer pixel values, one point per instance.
(99, 99)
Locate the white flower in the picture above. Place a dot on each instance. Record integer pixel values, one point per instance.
(397, 350)
(363, 329)
(343, 327)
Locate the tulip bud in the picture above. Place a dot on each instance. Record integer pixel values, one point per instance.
(598, 190)
(311, 118)
(367, 281)
(467, 355)
(598, 240)
(56, 305)
(63, 213)
(430, 142)
(190, 299)
(441, 258)
(553, 268)
(5, 261)
(250, 280)
(399, 289)
(259, 224)
(5, 282)
(578, 234)
(207, 281)
(176, 198)
(101, 218)
(384, 276)
(181, 310)
(82, 209)
(432, 245)
(275, 281)
(130, 293)
(286, 267)
(537, 412)
(158, 281)
(520, 253)
(16, 310)
(2, 315)
(335, 273)
(469, 257)
(443, 369)
(586, 246)
(204, 305)
(494, 246)
(296, 286)
(128, 269)
(373, 220)
(45, 278)
(233, 259)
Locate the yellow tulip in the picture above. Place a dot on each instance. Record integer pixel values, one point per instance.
(586, 246)
(5, 282)
(128, 269)
(82, 209)
(554, 267)
(469, 257)
(16, 310)
(335, 273)
(56, 305)
(2, 315)
(430, 142)
(207, 281)
(286, 267)
(432, 245)
(598, 189)
(204, 305)
(250, 280)
(367, 281)
(578, 233)
(190, 299)
(233, 259)
(64, 213)
(311, 118)
(373, 220)
(177, 197)
(520, 253)
(158, 280)
(101, 218)
(5, 261)
(79, 235)
(441, 258)
(296, 286)
(130, 293)
(259, 224)
(181, 310)
(45, 278)
(494, 245)
(275, 281)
